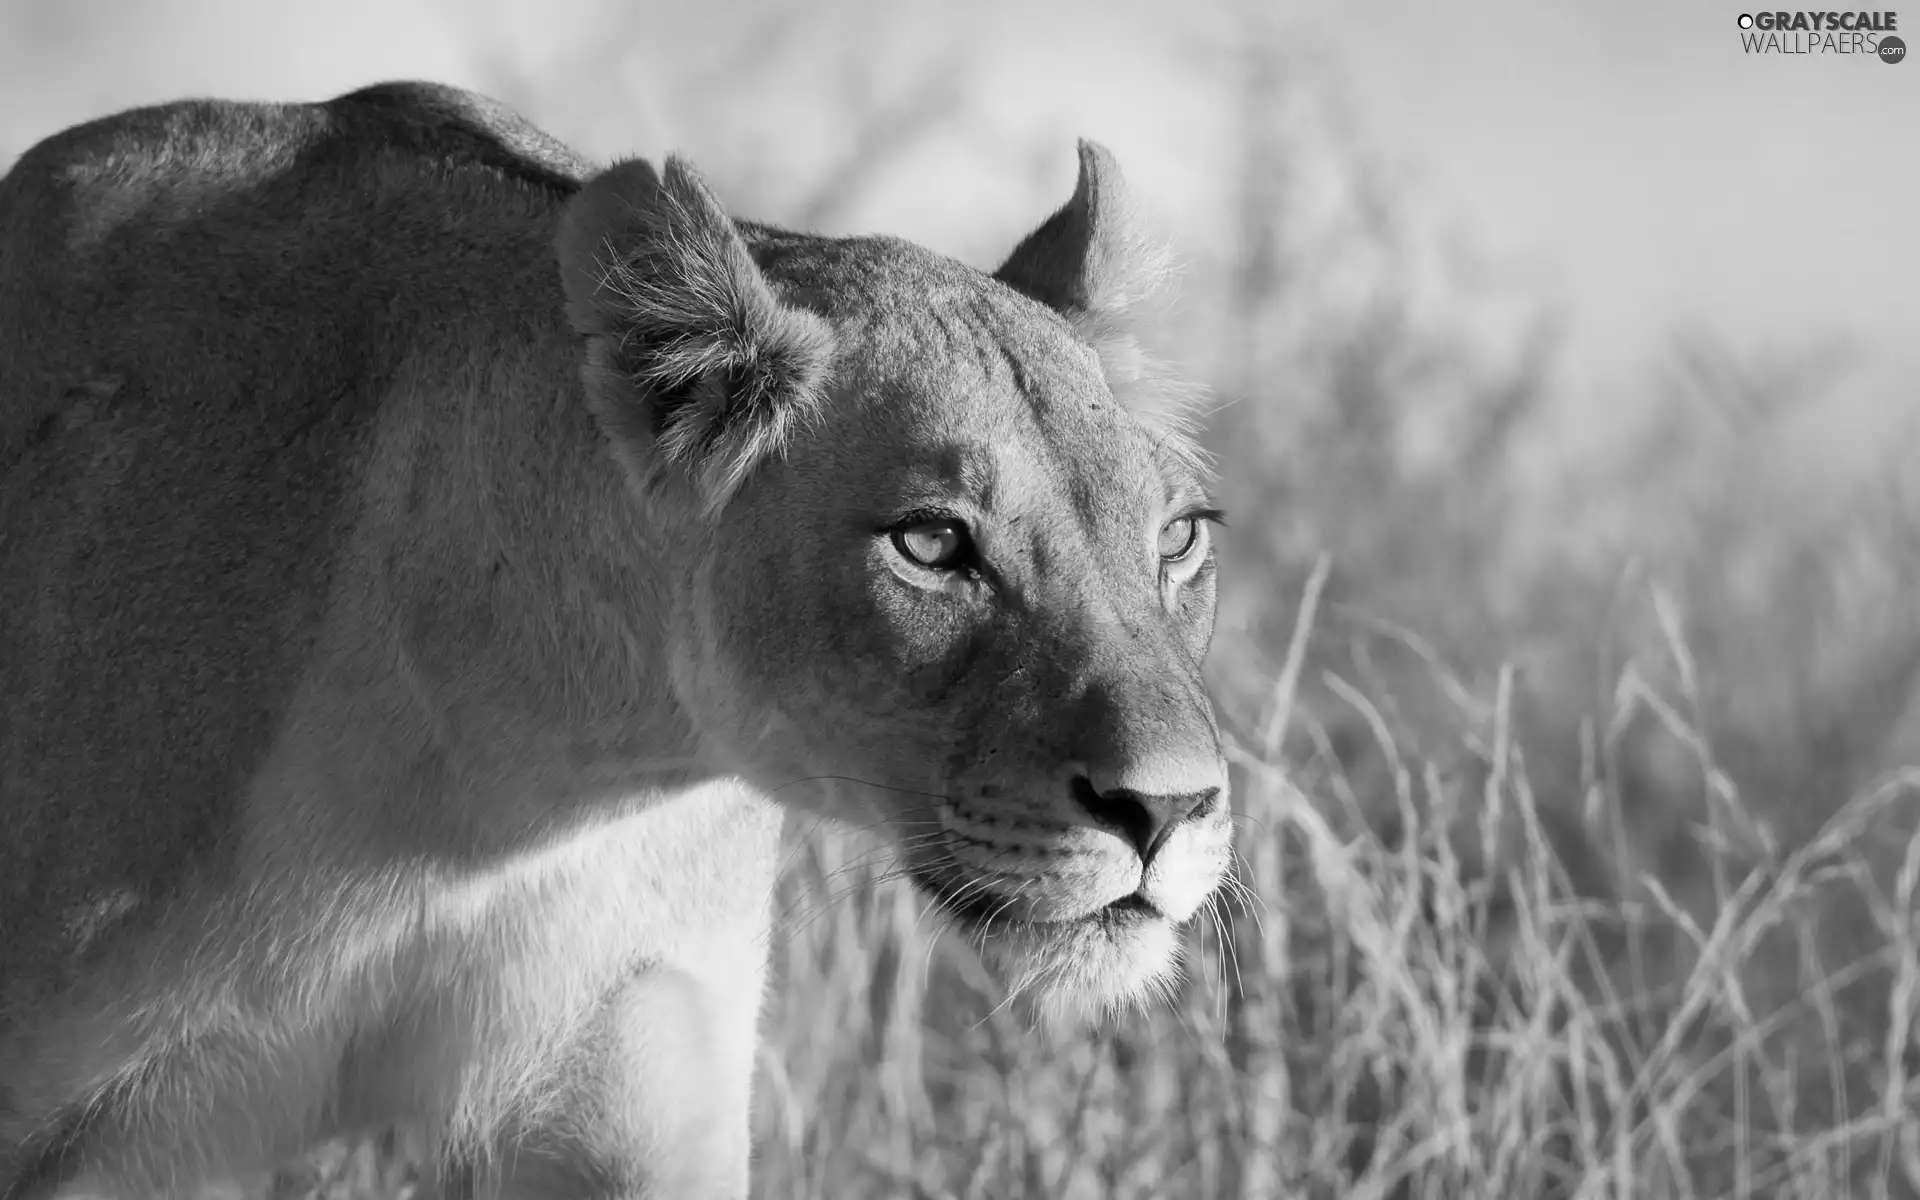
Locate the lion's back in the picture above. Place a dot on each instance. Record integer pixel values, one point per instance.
(202, 309)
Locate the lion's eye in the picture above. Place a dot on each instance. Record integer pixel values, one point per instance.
(1178, 538)
(941, 545)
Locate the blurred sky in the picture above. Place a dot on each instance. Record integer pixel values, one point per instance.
(1627, 152)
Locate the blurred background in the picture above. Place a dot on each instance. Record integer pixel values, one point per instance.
(1567, 368)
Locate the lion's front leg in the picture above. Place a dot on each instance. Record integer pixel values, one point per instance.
(653, 1100)
(610, 1014)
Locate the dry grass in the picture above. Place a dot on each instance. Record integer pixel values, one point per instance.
(1436, 1013)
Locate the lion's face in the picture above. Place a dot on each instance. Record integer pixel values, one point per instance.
(978, 592)
(966, 588)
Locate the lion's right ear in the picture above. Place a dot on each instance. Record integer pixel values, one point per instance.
(690, 354)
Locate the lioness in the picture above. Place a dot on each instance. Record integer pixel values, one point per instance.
(431, 566)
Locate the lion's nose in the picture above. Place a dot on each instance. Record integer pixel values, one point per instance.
(1144, 820)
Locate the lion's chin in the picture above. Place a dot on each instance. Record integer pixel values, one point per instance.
(1071, 973)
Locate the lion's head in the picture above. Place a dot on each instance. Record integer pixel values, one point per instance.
(952, 551)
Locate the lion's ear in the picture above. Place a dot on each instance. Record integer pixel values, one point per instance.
(1094, 263)
(1090, 261)
(689, 350)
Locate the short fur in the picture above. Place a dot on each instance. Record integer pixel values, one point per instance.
(424, 561)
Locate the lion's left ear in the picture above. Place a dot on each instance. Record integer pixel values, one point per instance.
(1095, 263)
(693, 363)
(1091, 261)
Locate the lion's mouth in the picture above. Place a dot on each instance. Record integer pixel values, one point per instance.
(990, 911)
(1134, 906)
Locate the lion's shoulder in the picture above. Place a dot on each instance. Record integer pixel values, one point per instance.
(207, 310)
(154, 220)
(250, 168)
